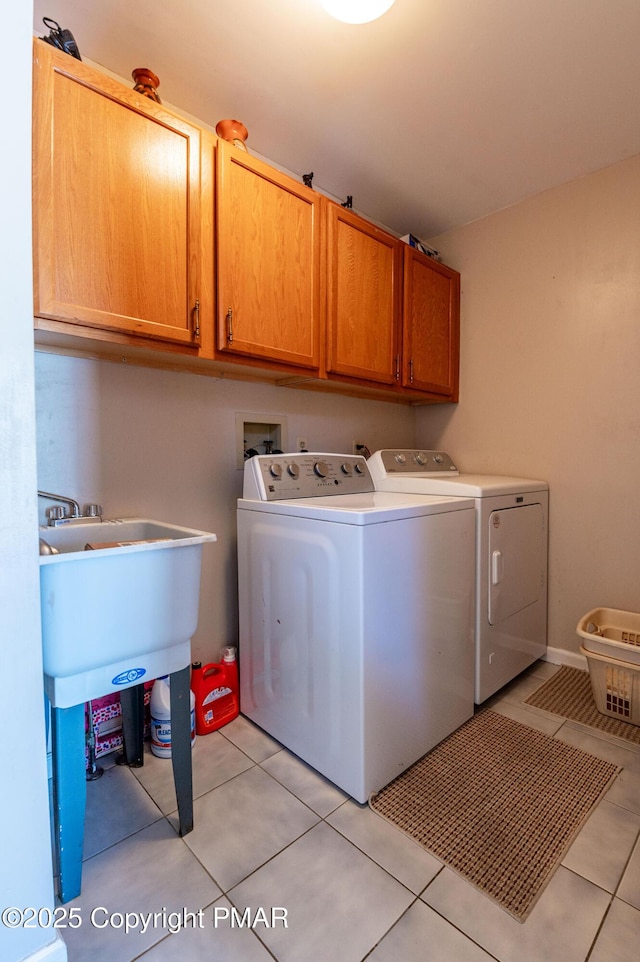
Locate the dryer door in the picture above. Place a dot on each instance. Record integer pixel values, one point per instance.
(516, 560)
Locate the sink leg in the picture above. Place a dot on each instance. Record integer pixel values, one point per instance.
(69, 796)
(181, 746)
(132, 703)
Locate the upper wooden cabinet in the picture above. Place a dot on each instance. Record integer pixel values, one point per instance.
(268, 237)
(116, 205)
(431, 326)
(363, 304)
(393, 313)
(153, 234)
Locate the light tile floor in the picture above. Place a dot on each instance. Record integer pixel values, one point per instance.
(271, 834)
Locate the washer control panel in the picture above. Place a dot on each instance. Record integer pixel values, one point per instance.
(398, 460)
(279, 477)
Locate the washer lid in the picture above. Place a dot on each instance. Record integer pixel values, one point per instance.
(373, 507)
(460, 485)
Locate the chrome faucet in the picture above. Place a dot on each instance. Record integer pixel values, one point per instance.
(57, 514)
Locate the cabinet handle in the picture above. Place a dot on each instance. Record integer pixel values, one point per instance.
(230, 326)
(411, 371)
(397, 367)
(196, 321)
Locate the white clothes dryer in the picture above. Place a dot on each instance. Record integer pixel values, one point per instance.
(356, 616)
(511, 556)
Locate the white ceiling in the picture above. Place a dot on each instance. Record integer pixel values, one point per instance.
(430, 117)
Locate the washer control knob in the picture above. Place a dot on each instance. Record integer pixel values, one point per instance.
(438, 459)
(346, 469)
(275, 470)
(293, 470)
(421, 458)
(401, 459)
(321, 469)
(358, 468)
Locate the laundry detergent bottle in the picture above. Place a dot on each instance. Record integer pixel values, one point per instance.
(215, 687)
(160, 710)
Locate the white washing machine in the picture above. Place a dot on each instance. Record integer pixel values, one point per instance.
(511, 556)
(356, 616)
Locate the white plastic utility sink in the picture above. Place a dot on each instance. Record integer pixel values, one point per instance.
(119, 615)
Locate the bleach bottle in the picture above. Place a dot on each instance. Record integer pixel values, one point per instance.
(216, 689)
(160, 710)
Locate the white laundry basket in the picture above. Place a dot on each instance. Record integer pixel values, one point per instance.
(611, 645)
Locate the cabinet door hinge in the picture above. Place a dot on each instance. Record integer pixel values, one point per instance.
(230, 326)
(411, 371)
(397, 367)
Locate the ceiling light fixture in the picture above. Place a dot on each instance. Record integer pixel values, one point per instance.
(356, 11)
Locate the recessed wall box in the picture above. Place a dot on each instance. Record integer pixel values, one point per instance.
(260, 432)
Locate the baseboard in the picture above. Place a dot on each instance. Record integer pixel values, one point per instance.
(560, 656)
(55, 951)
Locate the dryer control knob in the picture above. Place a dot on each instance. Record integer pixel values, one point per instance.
(293, 470)
(421, 458)
(346, 468)
(275, 470)
(400, 458)
(321, 469)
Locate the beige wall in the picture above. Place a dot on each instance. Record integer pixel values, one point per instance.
(550, 377)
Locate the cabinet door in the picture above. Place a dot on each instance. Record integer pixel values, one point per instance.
(268, 262)
(431, 325)
(363, 312)
(116, 205)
